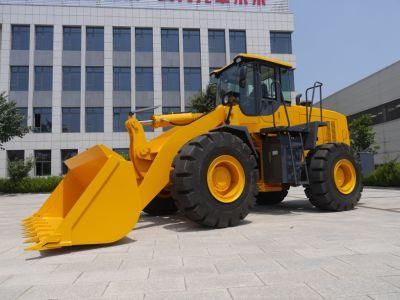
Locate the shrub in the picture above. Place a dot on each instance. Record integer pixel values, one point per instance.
(386, 175)
(29, 185)
(20, 169)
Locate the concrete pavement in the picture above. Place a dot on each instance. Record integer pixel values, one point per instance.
(291, 250)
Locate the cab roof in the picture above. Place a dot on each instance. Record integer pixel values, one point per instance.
(247, 56)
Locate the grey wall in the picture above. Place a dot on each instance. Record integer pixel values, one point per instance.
(376, 89)
(379, 88)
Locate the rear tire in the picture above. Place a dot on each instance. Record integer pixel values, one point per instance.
(197, 196)
(163, 204)
(272, 198)
(335, 178)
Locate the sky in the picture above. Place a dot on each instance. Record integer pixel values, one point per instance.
(339, 42)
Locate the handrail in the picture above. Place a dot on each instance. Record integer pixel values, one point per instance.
(317, 85)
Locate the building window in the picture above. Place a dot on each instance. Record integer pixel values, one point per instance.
(67, 154)
(94, 78)
(23, 111)
(42, 162)
(144, 79)
(216, 41)
(19, 78)
(122, 79)
(124, 152)
(71, 38)
(192, 79)
(145, 115)
(43, 78)
(170, 79)
(120, 117)
(15, 155)
(94, 119)
(121, 39)
(94, 38)
(44, 37)
(237, 41)
(393, 110)
(71, 78)
(191, 40)
(281, 42)
(71, 119)
(42, 119)
(169, 40)
(20, 37)
(144, 40)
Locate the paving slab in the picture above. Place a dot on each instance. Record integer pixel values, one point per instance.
(291, 250)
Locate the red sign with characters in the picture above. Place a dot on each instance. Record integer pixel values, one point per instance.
(236, 2)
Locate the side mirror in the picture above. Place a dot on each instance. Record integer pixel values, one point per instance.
(242, 76)
(298, 99)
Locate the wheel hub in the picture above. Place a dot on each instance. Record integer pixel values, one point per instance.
(225, 178)
(345, 176)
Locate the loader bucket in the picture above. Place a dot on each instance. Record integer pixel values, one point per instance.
(97, 202)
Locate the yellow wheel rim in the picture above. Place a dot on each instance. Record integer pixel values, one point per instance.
(226, 179)
(345, 177)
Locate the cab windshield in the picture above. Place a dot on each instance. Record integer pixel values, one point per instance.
(228, 81)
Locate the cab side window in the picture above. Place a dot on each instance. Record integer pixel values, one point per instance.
(268, 86)
(248, 103)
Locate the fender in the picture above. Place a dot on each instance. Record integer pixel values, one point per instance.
(242, 133)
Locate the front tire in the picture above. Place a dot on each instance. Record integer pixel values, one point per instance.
(335, 178)
(214, 180)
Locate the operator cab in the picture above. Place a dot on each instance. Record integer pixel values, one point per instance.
(258, 84)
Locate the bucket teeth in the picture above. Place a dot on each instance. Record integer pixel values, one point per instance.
(38, 231)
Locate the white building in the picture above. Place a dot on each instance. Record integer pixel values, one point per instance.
(379, 96)
(76, 68)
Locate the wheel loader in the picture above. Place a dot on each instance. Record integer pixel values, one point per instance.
(212, 166)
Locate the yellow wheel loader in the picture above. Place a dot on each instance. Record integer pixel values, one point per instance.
(253, 146)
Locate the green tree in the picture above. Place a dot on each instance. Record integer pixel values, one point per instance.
(362, 135)
(19, 169)
(10, 121)
(204, 101)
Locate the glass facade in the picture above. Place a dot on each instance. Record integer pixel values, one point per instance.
(94, 119)
(143, 39)
(42, 162)
(94, 78)
(122, 79)
(191, 40)
(71, 80)
(43, 37)
(43, 78)
(169, 40)
(192, 79)
(66, 154)
(237, 41)
(94, 38)
(72, 38)
(144, 79)
(19, 78)
(170, 79)
(42, 119)
(119, 118)
(71, 119)
(20, 37)
(216, 41)
(380, 114)
(145, 115)
(281, 42)
(122, 39)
